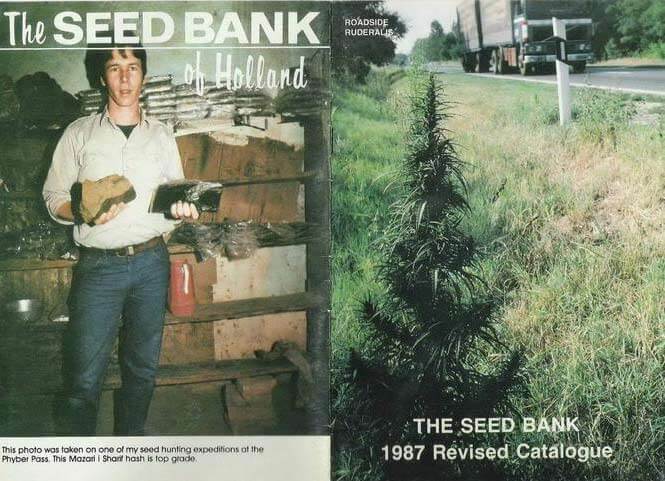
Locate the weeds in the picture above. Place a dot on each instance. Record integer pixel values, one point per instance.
(601, 116)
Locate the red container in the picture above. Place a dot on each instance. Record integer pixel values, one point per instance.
(181, 289)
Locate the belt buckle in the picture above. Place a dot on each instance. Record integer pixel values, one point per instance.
(125, 251)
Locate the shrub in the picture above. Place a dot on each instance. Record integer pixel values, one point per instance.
(655, 50)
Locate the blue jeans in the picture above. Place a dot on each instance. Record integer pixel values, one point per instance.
(115, 296)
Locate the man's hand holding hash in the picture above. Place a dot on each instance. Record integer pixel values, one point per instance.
(184, 210)
(110, 214)
(179, 210)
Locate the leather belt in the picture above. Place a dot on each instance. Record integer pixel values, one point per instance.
(124, 251)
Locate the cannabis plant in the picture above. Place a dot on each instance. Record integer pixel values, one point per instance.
(434, 351)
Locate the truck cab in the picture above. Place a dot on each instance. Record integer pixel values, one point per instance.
(500, 35)
(534, 36)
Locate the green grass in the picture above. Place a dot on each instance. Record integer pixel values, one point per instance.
(571, 230)
(368, 146)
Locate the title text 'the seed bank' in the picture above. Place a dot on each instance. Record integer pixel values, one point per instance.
(70, 28)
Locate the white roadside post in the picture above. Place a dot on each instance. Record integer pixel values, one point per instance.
(562, 73)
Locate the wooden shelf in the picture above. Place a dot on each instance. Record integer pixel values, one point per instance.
(266, 235)
(304, 233)
(208, 372)
(38, 264)
(203, 126)
(267, 179)
(33, 264)
(256, 306)
(169, 375)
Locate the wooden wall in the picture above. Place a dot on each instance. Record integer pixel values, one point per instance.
(243, 154)
(50, 285)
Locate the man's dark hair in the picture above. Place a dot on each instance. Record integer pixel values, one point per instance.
(98, 54)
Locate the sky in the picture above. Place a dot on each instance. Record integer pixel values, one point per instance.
(418, 15)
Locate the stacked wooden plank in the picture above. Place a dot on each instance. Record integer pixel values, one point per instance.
(303, 102)
(252, 102)
(190, 105)
(222, 103)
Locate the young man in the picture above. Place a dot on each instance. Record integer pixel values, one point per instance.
(120, 283)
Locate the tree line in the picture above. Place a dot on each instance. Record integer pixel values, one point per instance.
(629, 27)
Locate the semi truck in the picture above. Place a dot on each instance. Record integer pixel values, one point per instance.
(504, 35)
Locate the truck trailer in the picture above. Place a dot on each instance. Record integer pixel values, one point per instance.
(502, 35)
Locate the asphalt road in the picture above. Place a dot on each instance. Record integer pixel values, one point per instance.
(641, 80)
